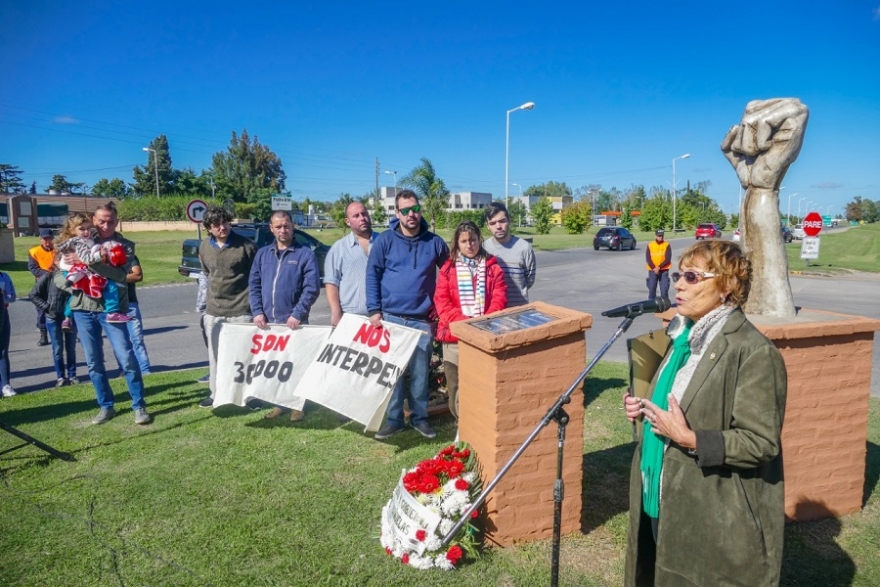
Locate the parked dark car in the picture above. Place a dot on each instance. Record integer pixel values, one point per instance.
(707, 230)
(614, 238)
(259, 232)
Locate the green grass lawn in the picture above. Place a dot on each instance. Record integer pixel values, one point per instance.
(856, 249)
(229, 498)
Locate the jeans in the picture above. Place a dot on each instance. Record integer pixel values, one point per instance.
(89, 325)
(653, 279)
(63, 342)
(136, 333)
(419, 368)
(5, 330)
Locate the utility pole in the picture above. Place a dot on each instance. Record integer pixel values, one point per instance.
(377, 198)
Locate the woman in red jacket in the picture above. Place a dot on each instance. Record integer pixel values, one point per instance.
(470, 283)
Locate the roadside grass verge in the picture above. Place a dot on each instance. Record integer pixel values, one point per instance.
(226, 497)
(856, 249)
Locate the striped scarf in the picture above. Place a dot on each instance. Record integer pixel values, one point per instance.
(471, 275)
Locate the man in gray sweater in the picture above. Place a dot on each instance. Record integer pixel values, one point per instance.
(515, 256)
(226, 261)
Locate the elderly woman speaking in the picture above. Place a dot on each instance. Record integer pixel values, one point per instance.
(706, 494)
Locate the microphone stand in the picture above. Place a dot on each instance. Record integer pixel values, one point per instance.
(557, 414)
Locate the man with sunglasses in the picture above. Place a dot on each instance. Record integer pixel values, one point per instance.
(401, 278)
(658, 257)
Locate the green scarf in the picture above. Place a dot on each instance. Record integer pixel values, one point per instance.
(653, 445)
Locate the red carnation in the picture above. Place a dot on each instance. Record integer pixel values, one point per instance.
(421, 535)
(461, 484)
(405, 558)
(475, 513)
(454, 468)
(388, 551)
(454, 554)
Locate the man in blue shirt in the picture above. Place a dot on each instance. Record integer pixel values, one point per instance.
(345, 268)
(284, 283)
(401, 278)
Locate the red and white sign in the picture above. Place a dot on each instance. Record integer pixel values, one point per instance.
(195, 210)
(812, 224)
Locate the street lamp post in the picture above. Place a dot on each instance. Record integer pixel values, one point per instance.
(520, 201)
(788, 217)
(526, 106)
(155, 166)
(799, 208)
(394, 173)
(674, 195)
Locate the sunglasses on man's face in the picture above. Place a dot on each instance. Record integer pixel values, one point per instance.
(406, 211)
(692, 277)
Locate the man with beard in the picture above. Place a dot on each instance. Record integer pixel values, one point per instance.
(401, 278)
(515, 256)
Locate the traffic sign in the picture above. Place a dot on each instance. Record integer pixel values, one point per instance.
(812, 224)
(281, 203)
(195, 210)
(810, 247)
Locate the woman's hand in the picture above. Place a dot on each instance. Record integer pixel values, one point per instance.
(633, 406)
(672, 424)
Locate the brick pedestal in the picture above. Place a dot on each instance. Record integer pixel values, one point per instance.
(507, 382)
(825, 434)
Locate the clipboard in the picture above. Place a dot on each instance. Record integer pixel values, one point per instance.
(646, 353)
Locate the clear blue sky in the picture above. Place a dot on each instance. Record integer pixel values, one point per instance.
(621, 89)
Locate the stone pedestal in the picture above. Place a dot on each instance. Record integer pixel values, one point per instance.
(825, 434)
(507, 382)
(824, 438)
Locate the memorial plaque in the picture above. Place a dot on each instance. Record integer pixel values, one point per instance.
(514, 321)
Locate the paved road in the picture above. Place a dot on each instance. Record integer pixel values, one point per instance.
(582, 279)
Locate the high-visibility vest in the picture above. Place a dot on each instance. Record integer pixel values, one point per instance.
(45, 259)
(658, 255)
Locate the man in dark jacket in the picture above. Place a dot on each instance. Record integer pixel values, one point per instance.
(41, 258)
(401, 278)
(284, 283)
(226, 261)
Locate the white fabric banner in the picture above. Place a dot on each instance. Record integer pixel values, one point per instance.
(355, 371)
(265, 364)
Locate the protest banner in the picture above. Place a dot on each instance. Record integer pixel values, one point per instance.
(267, 364)
(356, 369)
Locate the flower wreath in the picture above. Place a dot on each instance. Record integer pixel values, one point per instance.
(428, 501)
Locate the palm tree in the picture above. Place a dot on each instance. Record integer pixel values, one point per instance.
(430, 189)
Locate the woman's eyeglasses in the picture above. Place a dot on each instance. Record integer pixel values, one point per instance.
(405, 211)
(692, 277)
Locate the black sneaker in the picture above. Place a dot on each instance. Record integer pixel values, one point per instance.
(388, 431)
(425, 429)
(205, 379)
(254, 404)
(208, 402)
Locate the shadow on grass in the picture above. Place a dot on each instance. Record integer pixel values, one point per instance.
(593, 388)
(605, 491)
(812, 556)
(872, 471)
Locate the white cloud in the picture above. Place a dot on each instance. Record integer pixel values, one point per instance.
(66, 120)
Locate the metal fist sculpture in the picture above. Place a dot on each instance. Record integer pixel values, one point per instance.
(761, 148)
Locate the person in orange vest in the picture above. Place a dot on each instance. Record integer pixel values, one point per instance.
(41, 259)
(658, 256)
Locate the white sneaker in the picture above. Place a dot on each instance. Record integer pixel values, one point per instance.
(8, 391)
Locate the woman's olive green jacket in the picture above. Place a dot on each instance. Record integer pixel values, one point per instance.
(722, 509)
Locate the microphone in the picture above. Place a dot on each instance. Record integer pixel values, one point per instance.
(639, 308)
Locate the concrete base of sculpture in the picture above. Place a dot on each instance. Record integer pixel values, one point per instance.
(507, 382)
(825, 434)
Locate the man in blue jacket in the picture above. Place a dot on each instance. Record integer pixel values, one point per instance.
(401, 277)
(284, 283)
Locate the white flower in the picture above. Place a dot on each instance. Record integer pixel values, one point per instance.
(454, 502)
(432, 543)
(445, 526)
(443, 563)
(420, 562)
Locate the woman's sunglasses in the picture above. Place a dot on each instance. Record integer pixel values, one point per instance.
(692, 277)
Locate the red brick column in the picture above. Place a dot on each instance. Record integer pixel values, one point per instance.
(507, 383)
(825, 434)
